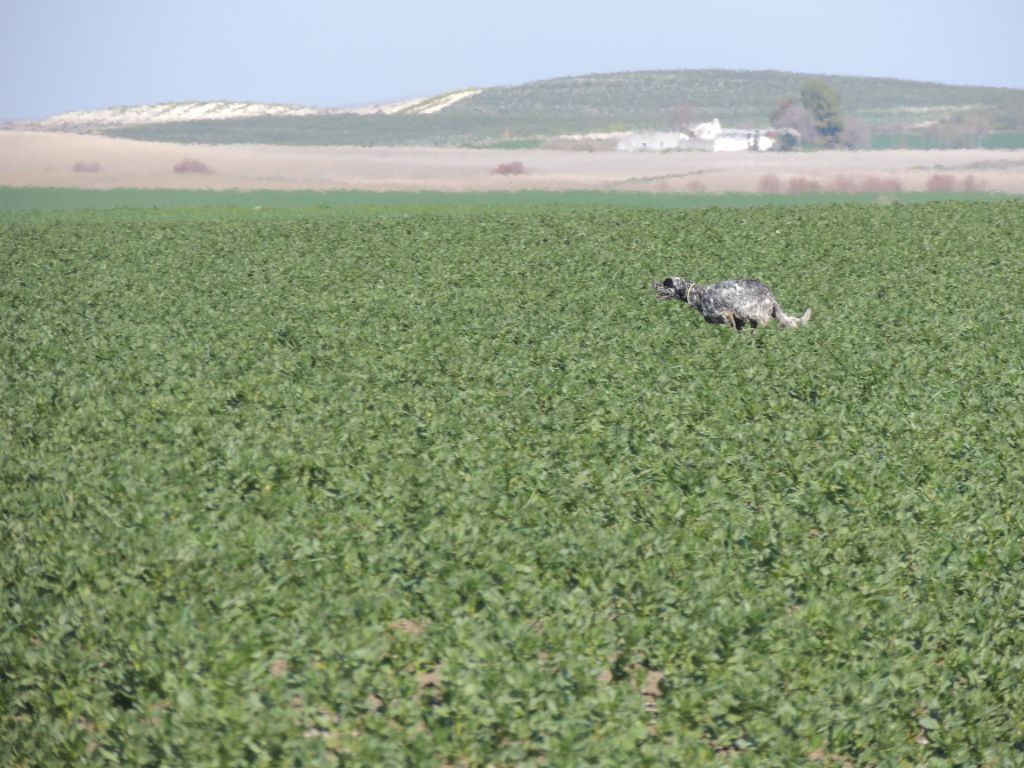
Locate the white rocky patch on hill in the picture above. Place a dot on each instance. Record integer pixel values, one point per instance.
(427, 105)
(169, 113)
(172, 112)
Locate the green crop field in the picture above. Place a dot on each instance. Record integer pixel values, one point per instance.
(122, 202)
(426, 485)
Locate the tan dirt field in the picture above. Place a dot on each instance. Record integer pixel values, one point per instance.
(49, 160)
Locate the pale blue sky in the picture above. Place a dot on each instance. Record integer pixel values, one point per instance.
(58, 55)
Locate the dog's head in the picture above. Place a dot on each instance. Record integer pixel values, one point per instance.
(671, 288)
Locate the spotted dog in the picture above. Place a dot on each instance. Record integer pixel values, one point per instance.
(735, 303)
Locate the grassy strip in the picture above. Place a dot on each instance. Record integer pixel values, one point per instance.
(63, 199)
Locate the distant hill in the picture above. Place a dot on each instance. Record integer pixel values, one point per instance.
(736, 97)
(528, 114)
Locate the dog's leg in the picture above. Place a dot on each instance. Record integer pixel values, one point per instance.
(728, 318)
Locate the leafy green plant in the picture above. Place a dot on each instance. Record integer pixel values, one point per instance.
(447, 486)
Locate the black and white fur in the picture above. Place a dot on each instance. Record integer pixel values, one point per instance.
(735, 303)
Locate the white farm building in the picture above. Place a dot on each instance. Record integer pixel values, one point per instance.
(705, 137)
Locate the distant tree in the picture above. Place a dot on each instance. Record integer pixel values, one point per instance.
(823, 102)
(796, 124)
(683, 116)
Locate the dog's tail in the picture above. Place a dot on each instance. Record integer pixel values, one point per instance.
(785, 321)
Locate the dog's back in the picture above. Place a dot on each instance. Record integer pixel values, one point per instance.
(747, 300)
(732, 302)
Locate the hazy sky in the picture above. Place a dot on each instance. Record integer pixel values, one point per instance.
(59, 55)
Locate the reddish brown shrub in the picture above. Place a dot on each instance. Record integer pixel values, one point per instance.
(83, 167)
(880, 185)
(802, 185)
(941, 182)
(844, 184)
(696, 187)
(770, 184)
(510, 169)
(971, 184)
(188, 165)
